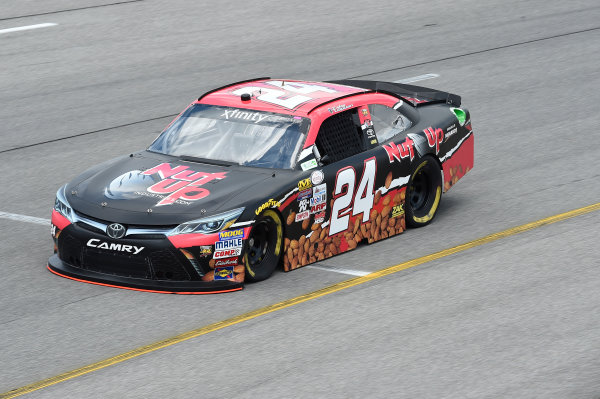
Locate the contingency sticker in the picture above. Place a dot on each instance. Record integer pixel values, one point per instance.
(224, 273)
(310, 164)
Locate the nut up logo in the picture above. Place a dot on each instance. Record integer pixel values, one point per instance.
(179, 183)
(434, 137)
(400, 151)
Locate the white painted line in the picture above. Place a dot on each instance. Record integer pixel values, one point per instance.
(20, 28)
(24, 218)
(339, 270)
(418, 78)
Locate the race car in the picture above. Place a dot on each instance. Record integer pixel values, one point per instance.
(262, 174)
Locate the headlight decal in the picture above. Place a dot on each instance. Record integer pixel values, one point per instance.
(207, 225)
(198, 239)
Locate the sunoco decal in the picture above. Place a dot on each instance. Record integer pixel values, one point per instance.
(224, 273)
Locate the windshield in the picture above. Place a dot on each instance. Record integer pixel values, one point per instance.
(241, 136)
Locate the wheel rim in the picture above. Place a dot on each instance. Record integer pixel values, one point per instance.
(419, 190)
(258, 243)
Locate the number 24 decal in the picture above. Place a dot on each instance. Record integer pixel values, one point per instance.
(344, 193)
(281, 97)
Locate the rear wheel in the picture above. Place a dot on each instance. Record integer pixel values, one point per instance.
(423, 193)
(264, 246)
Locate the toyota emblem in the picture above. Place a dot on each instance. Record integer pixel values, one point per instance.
(115, 230)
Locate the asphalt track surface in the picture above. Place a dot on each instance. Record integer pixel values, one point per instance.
(517, 317)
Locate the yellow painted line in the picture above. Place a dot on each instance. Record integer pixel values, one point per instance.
(294, 301)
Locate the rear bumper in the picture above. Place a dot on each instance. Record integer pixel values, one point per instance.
(63, 269)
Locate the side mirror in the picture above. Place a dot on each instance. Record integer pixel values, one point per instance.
(325, 160)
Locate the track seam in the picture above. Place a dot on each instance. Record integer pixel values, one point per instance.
(352, 77)
(295, 301)
(70, 9)
(86, 133)
(478, 52)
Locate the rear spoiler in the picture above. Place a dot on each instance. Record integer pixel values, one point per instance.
(406, 92)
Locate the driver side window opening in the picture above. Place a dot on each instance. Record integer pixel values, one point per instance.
(387, 122)
(340, 136)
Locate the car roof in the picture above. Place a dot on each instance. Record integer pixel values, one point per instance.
(294, 97)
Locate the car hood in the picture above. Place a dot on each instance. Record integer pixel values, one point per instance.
(154, 189)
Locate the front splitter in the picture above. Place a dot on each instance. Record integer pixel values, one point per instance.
(60, 268)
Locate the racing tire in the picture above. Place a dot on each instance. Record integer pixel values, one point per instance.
(264, 247)
(423, 193)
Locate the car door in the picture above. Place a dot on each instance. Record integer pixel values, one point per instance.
(358, 172)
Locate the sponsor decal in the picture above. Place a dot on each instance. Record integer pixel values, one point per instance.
(374, 141)
(365, 112)
(300, 216)
(231, 234)
(224, 273)
(228, 244)
(450, 131)
(269, 204)
(320, 189)
(53, 230)
(318, 199)
(226, 262)
(227, 253)
(398, 152)
(320, 217)
(317, 177)
(303, 205)
(339, 108)
(317, 208)
(310, 164)
(96, 243)
(397, 210)
(304, 184)
(434, 137)
(304, 194)
(205, 251)
(257, 117)
(180, 183)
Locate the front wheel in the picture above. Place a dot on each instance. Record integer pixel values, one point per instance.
(424, 192)
(264, 247)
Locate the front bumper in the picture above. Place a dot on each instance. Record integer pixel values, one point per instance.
(144, 262)
(58, 267)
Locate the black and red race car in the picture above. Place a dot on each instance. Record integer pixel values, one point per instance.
(259, 174)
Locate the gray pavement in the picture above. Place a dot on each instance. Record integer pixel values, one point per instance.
(516, 318)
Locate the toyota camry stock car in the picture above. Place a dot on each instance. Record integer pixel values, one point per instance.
(259, 174)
